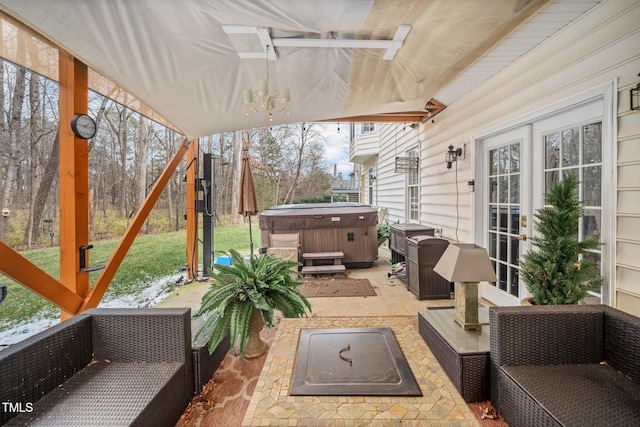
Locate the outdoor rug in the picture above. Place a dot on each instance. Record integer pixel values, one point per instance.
(336, 287)
(225, 398)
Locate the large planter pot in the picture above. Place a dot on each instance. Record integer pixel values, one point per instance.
(527, 302)
(256, 346)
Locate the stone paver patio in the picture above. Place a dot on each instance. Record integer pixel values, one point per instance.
(440, 405)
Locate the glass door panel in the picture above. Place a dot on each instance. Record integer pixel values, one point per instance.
(578, 150)
(504, 214)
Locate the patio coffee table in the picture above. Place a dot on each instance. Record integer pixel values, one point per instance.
(464, 355)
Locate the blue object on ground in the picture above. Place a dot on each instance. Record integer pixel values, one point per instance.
(223, 259)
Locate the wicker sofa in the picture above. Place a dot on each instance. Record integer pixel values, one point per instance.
(115, 367)
(573, 365)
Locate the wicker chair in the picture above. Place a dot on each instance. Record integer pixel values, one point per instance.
(115, 367)
(571, 365)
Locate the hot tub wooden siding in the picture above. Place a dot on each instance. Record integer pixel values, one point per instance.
(350, 228)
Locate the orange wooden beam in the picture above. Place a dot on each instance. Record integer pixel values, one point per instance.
(103, 281)
(74, 176)
(192, 215)
(23, 271)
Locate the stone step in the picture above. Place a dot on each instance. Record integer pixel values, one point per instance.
(308, 270)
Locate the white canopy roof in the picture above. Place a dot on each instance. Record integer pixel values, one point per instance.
(176, 57)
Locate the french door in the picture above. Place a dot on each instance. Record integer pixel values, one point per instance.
(518, 166)
(506, 207)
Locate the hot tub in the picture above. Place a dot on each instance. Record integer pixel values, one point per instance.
(350, 228)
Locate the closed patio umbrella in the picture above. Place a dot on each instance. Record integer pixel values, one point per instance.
(248, 203)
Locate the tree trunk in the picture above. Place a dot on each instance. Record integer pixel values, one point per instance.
(222, 183)
(141, 166)
(123, 202)
(35, 174)
(15, 121)
(236, 218)
(291, 194)
(44, 189)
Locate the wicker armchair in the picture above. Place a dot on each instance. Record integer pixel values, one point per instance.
(115, 367)
(569, 365)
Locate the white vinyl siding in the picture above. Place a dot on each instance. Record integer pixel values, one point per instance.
(395, 140)
(600, 49)
(595, 56)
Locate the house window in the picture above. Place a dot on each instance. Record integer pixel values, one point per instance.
(371, 181)
(413, 189)
(368, 127)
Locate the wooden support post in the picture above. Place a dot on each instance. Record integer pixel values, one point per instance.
(74, 176)
(101, 285)
(192, 214)
(23, 271)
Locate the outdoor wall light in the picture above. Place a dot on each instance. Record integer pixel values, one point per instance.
(466, 265)
(452, 155)
(471, 185)
(372, 177)
(634, 95)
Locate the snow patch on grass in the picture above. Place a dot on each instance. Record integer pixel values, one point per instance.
(149, 295)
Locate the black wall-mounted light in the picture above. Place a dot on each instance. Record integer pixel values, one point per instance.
(634, 95)
(372, 177)
(452, 155)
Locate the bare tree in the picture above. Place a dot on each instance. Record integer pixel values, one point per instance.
(33, 176)
(306, 132)
(142, 151)
(14, 125)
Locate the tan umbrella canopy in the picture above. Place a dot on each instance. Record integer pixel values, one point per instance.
(248, 203)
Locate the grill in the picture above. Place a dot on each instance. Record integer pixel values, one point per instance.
(398, 238)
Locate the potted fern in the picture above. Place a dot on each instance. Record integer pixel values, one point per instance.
(557, 272)
(243, 298)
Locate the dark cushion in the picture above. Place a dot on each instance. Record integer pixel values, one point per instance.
(110, 393)
(581, 395)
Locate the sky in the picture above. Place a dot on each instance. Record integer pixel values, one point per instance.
(337, 147)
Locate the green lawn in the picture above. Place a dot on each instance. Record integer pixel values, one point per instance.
(151, 257)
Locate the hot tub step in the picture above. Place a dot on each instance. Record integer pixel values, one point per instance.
(308, 270)
(335, 257)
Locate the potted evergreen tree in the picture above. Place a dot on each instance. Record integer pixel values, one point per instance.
(557, 272)
(243, 298)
